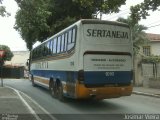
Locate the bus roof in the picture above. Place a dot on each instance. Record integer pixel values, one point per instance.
(97, 21)
(87, 21)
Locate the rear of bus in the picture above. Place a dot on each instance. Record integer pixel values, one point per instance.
(105, 60)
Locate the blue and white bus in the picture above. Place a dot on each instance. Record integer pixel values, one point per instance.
(89, 59)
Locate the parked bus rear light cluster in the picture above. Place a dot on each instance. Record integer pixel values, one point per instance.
(81, 76)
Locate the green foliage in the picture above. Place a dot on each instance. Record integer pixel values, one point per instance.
(105, 6)
(8, 54)
(31, 20)
(39, 19)
(3, 11)
(141, 10)
(138, 35)
(62, 24)
(151, 59)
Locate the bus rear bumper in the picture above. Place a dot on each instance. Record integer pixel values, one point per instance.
(83, 92)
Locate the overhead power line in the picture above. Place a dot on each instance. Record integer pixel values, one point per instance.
(115, 15)
(118, 15)
(154, 26)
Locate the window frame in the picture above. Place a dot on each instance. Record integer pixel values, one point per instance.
(147, 50)
(58, 45)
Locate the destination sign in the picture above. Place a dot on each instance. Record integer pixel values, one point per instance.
(107, 33)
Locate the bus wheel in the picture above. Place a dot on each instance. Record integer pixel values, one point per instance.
(60, 92)
(32, 80)
(52, 89)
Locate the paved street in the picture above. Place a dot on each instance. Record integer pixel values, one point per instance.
(136, 104)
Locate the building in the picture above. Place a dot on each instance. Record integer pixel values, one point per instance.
(152, 47)
(19, 58)
(16, 68)
(148, 74)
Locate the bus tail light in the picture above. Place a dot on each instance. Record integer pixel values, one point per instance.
(81, 76)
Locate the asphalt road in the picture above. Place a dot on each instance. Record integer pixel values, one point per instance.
(71, 109)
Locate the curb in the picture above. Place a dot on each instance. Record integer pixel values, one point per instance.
(146, 94)
(28, 106)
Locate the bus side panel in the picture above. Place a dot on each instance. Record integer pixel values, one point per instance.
(108, 78)
(67, 78)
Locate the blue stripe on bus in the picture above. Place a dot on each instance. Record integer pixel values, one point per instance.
(91, 77)
(100, 77)
(61, 75)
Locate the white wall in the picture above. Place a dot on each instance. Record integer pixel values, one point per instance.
(155, 48)
(19, 58)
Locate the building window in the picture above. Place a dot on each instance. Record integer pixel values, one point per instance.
(147, 50)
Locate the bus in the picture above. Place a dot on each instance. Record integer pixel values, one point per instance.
(89, 59)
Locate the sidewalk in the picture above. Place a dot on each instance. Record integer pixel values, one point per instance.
(146, 91)
(12, 107)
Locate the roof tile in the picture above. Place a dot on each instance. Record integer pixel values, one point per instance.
(153, 37)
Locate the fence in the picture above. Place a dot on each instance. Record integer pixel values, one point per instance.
(151, 70)
(15, 72)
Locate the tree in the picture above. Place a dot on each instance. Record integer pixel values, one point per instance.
(39, 19)
(3, 11)
(8, 54)
(138, 37)
(138, 34)
(141, 10)
(31, 21)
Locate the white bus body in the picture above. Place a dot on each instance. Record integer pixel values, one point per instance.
(92, 58)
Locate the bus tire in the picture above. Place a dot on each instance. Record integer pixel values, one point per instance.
(60, 95)
(52, 88)
(32, 80)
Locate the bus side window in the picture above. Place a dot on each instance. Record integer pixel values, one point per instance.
(59, 44)
(66, 40)
(73, 35)
(71, 40)
(62, 43)
(48, 48)
(45, 49)
(51, 47)
(70, 37)
(55, 45)
(41, 51)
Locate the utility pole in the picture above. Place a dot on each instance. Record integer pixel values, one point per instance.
(101, 10)
(2, 53)
(100, 15)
